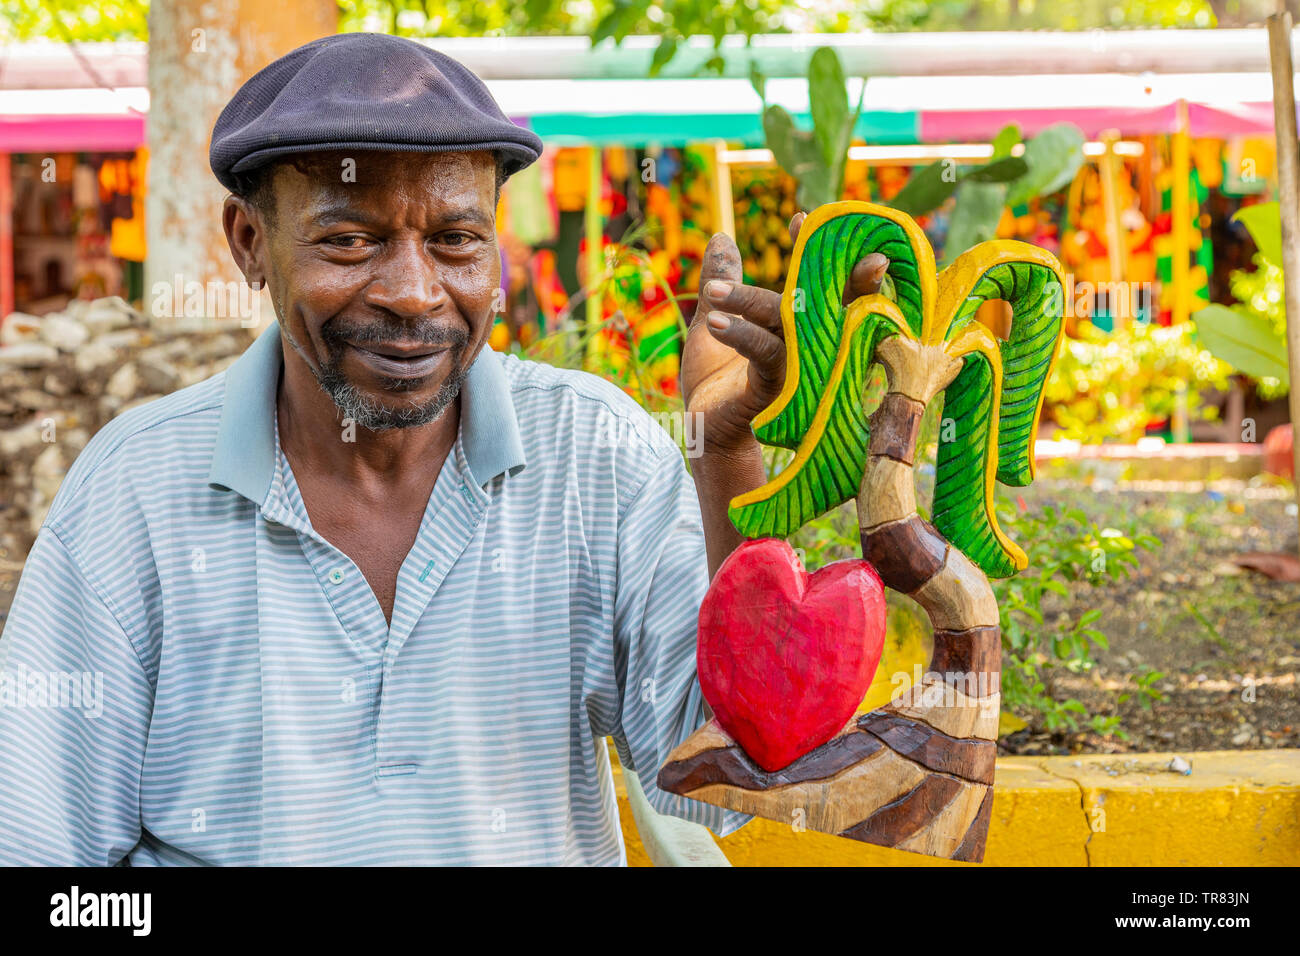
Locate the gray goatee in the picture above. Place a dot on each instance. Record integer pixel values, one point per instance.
(361, 408)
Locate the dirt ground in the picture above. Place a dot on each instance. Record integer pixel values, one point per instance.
(1227, 640)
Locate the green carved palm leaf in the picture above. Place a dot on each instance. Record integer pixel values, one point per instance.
(1036, 297)
(814, 300)
(962, 508)
(991, 408)
(828, 469)
(830, 354)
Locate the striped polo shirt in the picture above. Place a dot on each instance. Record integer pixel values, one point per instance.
(191, 674)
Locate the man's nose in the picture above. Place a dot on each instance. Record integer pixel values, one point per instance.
(408, 283)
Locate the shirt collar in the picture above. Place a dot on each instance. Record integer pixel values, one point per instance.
(243, 459)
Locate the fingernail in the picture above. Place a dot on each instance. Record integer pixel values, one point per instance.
(719, 320)
(718, 289)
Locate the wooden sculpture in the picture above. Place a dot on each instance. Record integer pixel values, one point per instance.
(786, 658)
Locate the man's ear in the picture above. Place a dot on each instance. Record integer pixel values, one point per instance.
(247, 237)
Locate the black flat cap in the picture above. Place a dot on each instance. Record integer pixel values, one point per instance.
(363, 91)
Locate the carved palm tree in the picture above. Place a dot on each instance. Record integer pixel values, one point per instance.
(918, 773)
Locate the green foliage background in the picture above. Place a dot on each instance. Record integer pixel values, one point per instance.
(1261, 292)
(671, 19)
(1111, 385)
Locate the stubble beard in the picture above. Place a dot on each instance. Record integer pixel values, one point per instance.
(376, 416)
(364, 410)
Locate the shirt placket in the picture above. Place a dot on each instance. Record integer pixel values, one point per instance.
(456, 506)
(341, 581)
(455, 510)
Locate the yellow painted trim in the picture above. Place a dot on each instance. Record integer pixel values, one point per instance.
(857, 312)
(976, 338)
(814, 220)
(961, 276)
(957, 281)
(1236, 808)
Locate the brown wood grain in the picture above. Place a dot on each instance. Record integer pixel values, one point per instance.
(898, 820)
(895, 426)
(709, 737)
(958, 597)
(974, 650)
(849, 797)
(970, 759)
(907, 553)
(732, 766)
(828, 806)
(943, 835)
(972, 847)
(918, 371)
(893, 493)
(948, 710)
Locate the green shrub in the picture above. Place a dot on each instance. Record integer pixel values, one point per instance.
(1112, 385)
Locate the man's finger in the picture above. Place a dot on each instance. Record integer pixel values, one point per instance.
(796, 223)
(866, 277)
(722, 287)
(760, 306)
(765, 351)
(722, 262)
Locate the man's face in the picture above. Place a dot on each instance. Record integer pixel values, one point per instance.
(384, 286)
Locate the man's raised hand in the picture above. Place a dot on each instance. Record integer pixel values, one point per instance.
(733, 362)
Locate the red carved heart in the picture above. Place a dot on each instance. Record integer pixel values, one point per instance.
(785, 657)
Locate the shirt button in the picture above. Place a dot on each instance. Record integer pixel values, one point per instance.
(336, 576)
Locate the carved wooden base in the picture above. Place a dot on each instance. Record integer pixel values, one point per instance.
(915, 775)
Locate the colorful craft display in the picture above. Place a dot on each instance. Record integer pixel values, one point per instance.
(765, 203)
(1202, 260)
(639, 341)
(1096, 292)
(765, 200)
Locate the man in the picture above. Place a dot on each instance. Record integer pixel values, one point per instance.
(375, 594)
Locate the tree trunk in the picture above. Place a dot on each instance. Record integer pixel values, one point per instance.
(199, 55)
(910, 554)
(959, 696)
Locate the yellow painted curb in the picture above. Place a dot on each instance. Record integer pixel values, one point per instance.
(1236, 808)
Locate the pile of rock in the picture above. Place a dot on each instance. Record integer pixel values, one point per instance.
(63, 375)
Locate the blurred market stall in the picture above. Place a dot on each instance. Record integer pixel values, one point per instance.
(608, 230)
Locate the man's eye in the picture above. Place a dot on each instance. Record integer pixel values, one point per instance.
(347, 242)
(457, 238)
